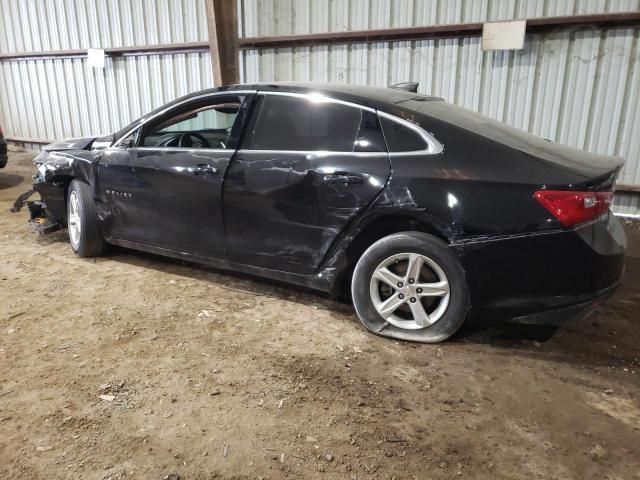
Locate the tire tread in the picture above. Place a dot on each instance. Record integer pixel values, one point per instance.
(425, 244)
(92, 243)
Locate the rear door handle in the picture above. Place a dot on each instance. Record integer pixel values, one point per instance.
(203, 169)
(344, 178)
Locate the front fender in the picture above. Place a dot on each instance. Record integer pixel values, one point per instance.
(76, 164)
(55, 171)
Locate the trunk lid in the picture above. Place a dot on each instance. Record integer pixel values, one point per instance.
(593, 168)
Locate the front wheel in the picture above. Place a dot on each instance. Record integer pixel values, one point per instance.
(82, 221)
(410, 286)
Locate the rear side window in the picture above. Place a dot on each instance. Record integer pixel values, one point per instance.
(370, 138)
(401, 138)
(288, 122)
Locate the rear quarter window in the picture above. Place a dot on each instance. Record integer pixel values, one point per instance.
(401, 138)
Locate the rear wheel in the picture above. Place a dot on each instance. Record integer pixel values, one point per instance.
(410, 286)
(82, 221)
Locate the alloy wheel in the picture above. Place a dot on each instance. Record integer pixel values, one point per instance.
(74, 223)
(410, 291)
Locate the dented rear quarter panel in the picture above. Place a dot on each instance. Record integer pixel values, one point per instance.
(477, 195)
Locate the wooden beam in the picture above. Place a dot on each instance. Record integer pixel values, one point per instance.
(222, 19)
(136, 50)
(627, 188)
(534, 25)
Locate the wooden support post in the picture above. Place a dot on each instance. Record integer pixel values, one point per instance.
(222, 19)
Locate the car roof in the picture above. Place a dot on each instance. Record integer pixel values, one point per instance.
(374, 97)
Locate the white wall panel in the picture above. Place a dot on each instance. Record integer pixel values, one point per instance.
(81, 100)
(289, 17)
(36, 25)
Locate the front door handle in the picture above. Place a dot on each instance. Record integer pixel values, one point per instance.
(343, 178)
(203, 169)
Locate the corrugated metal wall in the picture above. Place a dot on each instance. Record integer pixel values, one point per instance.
(580, 88)
(51, 98)
(37, 25)
(287, 17)
(79, 100)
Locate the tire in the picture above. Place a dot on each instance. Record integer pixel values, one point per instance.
(429, 308)
(82, 221)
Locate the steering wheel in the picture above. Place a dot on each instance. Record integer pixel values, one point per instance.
(169, 142)
(183, 143)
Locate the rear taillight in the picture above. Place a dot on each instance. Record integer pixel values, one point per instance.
(572, 208)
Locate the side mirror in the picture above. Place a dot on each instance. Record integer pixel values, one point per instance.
(101, 143)
(126, 143)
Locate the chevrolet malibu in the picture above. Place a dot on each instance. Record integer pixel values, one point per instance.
(424, 213)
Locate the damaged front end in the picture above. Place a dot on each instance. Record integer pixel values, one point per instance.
(56, 166)
(50, 182)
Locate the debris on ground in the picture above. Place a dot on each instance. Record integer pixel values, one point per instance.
(598, 452)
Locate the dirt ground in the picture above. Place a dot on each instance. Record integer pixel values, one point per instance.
(133, 366)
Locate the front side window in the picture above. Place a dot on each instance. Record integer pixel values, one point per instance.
(285, 122)
(200, 124)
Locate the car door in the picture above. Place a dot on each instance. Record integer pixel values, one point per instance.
(171, 198)
(307, 166)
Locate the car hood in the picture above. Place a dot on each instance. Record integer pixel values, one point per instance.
(80, 143)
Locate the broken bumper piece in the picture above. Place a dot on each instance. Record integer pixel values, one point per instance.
(39, 220)
(21, 201)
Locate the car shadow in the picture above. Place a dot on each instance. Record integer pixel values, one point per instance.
(504, 334)
(9, 180)
(497, 334)
(227, 279)
(584, 341)
(61, 236)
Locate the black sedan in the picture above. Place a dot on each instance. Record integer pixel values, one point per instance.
(425, 213)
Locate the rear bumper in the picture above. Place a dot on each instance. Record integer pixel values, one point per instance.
(537, 274)
(561, 315)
